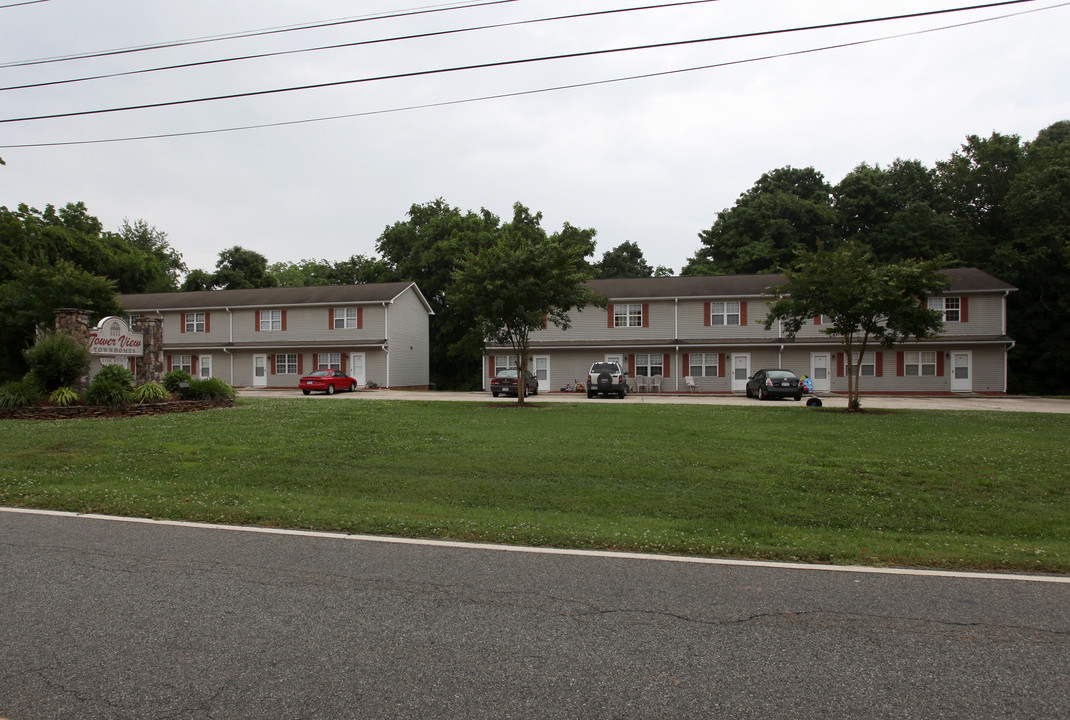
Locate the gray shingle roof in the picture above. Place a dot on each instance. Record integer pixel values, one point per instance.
(268, 297)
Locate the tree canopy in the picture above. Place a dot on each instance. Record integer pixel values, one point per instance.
(523, 280)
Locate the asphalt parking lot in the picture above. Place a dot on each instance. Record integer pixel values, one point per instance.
(1001, 403)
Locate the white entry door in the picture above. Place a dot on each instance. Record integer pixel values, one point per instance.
(541, 369)
(205, 371)
(356, 368)
(740, 371)
(260, 374)
(819, 371)
(962, 371)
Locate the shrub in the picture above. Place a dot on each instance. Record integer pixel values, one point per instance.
(209, 389)
(106, 391)
(173, 378)
(116, 373)
(56, 360)
(64, 396)
(150, 392)
(19, 394)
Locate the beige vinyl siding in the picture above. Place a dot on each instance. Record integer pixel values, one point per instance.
(984, 316)
(409, 340)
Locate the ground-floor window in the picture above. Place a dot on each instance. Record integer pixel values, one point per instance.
(286, 364)
(650, 365)
(182, 362)
(504, 362)
(702, 364)
(920, 363)
(867, 366)
(329, 361)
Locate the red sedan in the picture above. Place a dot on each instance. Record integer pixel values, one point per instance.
(327, 380)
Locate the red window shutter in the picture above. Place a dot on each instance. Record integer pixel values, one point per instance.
(722, 360)
(168, 363)
(284, 320)
(665, 365)
(330, 319)
(743, 312)
(193, 365)
(257, 325)
(490, 364)
(182, 324)
(301, 364)
(609, 316)
(208, 322)
(900, 364)
(706, 314)
(631, 364)
(360, 318)
(646, 315)
(964, 307)
(315, 361)
(878, 364)
(686, 360)
(839, 364)
(342, 357)
(272, 359)
(939, 364)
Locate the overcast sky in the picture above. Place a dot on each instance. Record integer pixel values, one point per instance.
(649, 160)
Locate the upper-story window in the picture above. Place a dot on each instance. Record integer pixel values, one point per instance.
(724, 313)
(270, 320)
(193, 322)
(951, 307)
(628, 315)
(347, 318)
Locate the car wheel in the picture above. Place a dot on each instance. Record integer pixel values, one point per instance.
(749, 393)
(306, 392)
(590, 395)
(494, 393)
(535, 391)
(352, 387)
(798, 397)
(330, 389)
(622, 393)
(761, 394)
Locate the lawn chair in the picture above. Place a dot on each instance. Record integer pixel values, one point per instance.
(690, 381)
(640, 381)
(655, 383)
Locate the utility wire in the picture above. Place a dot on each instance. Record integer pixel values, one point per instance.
(253, 33)
(20, 4)
(522, 93)
(396, 38)
(503, 63)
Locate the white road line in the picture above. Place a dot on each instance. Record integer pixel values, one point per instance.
(1057, 579)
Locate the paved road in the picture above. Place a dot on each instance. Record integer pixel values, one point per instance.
(1003, 403)
(105, 619)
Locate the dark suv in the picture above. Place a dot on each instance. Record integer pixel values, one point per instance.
(607, 378)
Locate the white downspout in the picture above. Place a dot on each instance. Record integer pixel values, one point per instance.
(230, 315)
(386, 345)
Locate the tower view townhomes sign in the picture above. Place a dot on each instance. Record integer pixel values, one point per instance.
(112, 337)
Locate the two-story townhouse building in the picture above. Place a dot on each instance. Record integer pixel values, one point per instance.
(270, 337)
(712, 330)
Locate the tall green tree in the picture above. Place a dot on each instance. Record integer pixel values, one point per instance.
(786, 210)
(239, 268)
(624, 261)
(866, 302)
(522, 281)
(358, 269)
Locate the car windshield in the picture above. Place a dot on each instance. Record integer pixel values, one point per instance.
(781, 374)
(507, 373)
(605, 367)
(319, 373)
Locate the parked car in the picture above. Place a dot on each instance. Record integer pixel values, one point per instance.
(607, 378)
(506, 382)
(327, 380)
(767, 384)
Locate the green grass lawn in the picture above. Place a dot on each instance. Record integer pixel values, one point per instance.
(925, 488)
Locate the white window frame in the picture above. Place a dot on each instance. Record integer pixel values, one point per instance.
(724, 312)
(194, 322)
(329, 361)
(270, 320)
(706, 365)
(504, 362)
(345, 318)
(182, 362)
(628, 315)
(919, 363)
(286, 363)
(949, 307)
(644, 365)
(867, 364)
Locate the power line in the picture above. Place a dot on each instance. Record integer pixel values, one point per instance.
(254, 33)
(503, 63)
(537, 91)
(418, 36)
(20, 4)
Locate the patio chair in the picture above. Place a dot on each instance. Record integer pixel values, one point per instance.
(655, 383)
(640, 381)
(690, 383)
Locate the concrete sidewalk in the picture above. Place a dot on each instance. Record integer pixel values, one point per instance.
(1002, 403)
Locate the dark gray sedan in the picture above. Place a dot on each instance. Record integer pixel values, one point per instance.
(767, 384)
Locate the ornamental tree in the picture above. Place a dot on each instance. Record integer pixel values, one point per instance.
(865, 302)
(523, 280)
